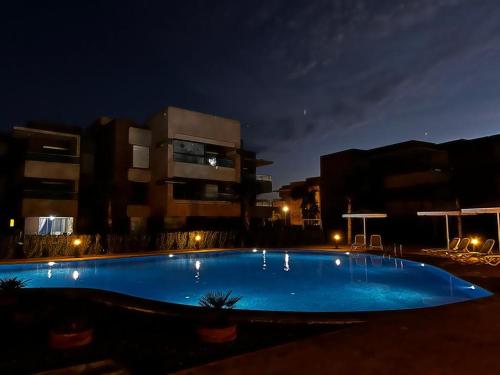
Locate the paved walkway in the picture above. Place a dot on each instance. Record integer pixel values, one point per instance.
(464, 340)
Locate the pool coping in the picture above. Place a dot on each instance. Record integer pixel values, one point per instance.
(166, 252)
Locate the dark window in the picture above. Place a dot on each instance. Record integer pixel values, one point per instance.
(49, 188)
(138, 193)
(204, 191)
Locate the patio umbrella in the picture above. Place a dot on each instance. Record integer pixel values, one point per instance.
(446, 215)
(486, 210)
(364, 217)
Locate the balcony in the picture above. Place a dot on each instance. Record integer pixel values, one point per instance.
(203, 172)
(264, 177)
(58, 158)
(264, 184)
(204, 160)
(47, 194)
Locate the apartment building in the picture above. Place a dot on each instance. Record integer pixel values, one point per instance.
(115, 177)
(43, 178)
(302, 200)
(407, 177)
(197, 167)
(181, 169)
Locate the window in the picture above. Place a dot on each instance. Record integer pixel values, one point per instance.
(199, 153)
(140, 158)
(190, 148)
(55, 225)
(195, 190)
(138, 193)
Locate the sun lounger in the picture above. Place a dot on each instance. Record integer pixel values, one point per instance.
(461, 248)
(453, 246)
(376, 242)
(490, 259)
(359, 242)
(486, 248)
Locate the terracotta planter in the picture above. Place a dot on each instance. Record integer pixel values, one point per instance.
(70, 340)
(218, 335)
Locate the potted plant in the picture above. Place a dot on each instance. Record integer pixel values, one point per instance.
(71, 330)
(218, 328)
(8, 290)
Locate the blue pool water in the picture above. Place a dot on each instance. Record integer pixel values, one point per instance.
(266, 280)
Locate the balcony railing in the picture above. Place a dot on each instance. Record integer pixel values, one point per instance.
(263, 177)
(42, 156)
(264, 203)
(193, 159)
(40, 194)
(211, 198)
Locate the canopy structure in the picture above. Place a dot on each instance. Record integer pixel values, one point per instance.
(486, 210)
(364, 217)
(444, 214)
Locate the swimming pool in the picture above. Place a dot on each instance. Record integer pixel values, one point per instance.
(277, 280)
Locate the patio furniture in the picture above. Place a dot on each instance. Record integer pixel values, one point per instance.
(446, 215)
(364, 216)
(451, 247)
(460, 249)
(486, 248)
(486, 210)
(376, 242)
(490, 259)
(359, 242)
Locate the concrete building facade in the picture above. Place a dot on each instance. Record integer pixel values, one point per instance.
(44, 178)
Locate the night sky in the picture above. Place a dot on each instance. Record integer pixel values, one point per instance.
(305, 78)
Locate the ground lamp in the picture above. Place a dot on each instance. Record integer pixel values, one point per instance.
(336, 238)
(76, 243)
(197, 239)
(285, 211)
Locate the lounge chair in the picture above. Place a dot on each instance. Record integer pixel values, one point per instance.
(452, 246)
(490, 259)
(460, 249)
(376, 242)
(359, 242)
(486, 248)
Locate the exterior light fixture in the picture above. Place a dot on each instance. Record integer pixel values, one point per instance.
(197, 239)
(51, 217)
(254, 250)
(285, 210)
(474, 241)
(336, 238)
(77, 242)
(12, 223)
